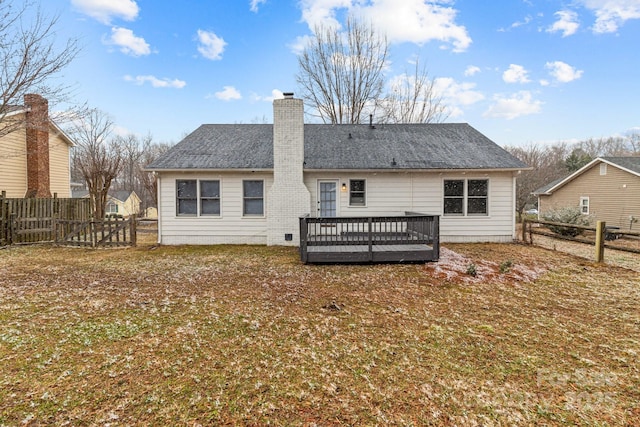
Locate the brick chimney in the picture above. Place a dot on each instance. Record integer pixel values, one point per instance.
(37, 129)
(288, 198)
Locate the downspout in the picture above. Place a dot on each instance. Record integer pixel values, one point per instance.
(513, 204)
(159, 181)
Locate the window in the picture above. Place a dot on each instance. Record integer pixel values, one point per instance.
(584, 205)
(209, 197)
(111, 208)
(253, 198)
(187, 197)
(193, 199)
(453, 197)
(357, 192)
(477, 195)
(466, 197)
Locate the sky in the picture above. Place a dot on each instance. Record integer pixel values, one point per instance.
(520, 71)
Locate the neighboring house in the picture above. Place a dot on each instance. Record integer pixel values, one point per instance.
(35, 157)
(248, 183)
(608, 189)
(119, 202)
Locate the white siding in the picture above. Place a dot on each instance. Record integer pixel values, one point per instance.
(391, 193)
(229, 227)
(497, 226)
(394, 193)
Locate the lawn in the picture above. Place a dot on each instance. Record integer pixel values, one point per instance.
(248, 335)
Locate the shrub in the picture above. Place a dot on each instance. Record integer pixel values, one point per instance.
(506, 266)
(471, 270)
(567, 215)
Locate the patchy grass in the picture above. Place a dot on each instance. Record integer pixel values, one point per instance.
(248, 335)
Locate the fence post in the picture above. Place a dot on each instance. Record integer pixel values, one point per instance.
(133, 230)
(600, 230)
(524, 230)
(12, 228)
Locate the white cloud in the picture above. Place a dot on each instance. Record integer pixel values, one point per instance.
(156, 82)
(275, 94)
(211, 46)
(567, 23)
(471, 70)
(129, 43)
(228, 93)
(322, 12)
(518, 104)
(563, 72)
(254, 4)
(415, 21)
(456, 95)
(298, 46)
(105, 10)
(611, 14)
(515, 74)
(522, 23)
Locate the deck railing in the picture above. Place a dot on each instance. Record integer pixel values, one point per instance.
(405, 230)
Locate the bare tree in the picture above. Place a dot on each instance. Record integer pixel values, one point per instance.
(412, 98)
(548, 164)
(96, 157)
(29, 59)
(137, 153)
(342, 72)
(149, 181)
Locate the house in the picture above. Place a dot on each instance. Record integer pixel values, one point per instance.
(119, 202)
(607, 188)
(250, 183)
(36, 154)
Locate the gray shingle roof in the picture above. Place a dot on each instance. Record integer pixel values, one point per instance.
(630, 163)
(357, 147)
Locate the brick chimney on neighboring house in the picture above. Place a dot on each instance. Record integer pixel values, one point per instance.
(288, 198)
(37, 129)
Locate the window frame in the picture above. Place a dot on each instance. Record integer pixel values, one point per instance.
(198, 198)
(584, 205)
(202, 199)
(363, 204)
(107, 208)
(186, 198)
(465, 198)
(246, 198)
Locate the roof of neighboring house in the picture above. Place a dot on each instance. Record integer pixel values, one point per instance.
(392, 147)
(121, 195)
(629, 164)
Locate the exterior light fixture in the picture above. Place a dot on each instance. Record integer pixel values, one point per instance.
(344, 187)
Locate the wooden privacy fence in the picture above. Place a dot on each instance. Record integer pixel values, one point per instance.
(600, 237)
(31, 220)
(61, 221)
(110, 232)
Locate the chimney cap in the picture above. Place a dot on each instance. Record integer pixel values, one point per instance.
(288, 95)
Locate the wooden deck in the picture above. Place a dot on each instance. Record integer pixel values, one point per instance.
(409, 238)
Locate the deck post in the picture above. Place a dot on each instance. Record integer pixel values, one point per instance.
(304, 228)
(370, 239)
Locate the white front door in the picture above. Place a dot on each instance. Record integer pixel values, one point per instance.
(327, 199)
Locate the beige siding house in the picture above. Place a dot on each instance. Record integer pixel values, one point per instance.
(35, 156)
(119, 202)
(251, 183)
(608, 189)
